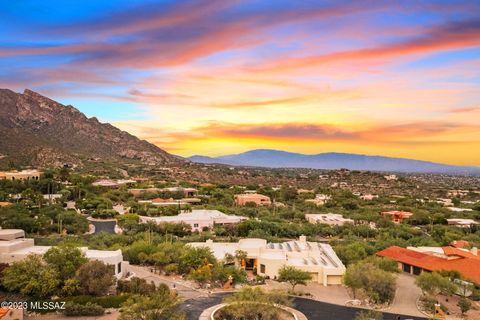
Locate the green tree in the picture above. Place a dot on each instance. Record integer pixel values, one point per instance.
(201, 275)
(293, 275)
(64, 174)
(167, 253)
(352, 252)
(65, 260)
(95, 278)
(375, 283)
(223, 272)
(433, 283)
(464, 304)
(31, 276)
(161, 305)
(368, 315)
(228, 258)
(240, 256)
(70, 287)
(383, 263)
(353, 279)
(136, 286)
(193, 258)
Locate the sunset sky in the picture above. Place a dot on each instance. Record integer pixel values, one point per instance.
(220, 77)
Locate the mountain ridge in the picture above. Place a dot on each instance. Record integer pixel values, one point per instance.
(41, 131)
(333, 160)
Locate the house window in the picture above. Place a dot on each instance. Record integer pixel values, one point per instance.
(195, 225)
(119, 267)
(262, 268)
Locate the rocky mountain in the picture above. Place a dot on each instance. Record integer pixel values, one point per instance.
(281, 159)
(36, 130)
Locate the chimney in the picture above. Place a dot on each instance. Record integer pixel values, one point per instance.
(303, 238)
(474, 251)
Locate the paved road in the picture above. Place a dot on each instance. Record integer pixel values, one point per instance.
(183, 290)
(314, 310)
(406, 296)
(196, 301)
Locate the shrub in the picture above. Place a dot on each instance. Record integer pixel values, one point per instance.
(104, 214)
(428, 303)
(369, 315)
(95, 278)
(136, 286)
(73, 309)
(171, 268)
(113, 301)
(377, 284)
(464, 305)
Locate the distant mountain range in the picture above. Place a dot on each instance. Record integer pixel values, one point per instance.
(331, 160)
(36, 130)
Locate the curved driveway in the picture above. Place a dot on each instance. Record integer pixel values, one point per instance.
(313, 309)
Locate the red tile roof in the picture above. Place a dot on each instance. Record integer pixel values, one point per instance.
(460, 243)
(451, 251)
(469, 267)
(3, 312)
(400, 214)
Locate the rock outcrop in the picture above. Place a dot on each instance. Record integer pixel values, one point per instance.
(35, 130)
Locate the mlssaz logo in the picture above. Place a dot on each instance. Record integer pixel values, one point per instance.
(47, 305)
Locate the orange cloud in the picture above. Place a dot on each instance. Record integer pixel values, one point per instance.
(464, 110)
(450, 36)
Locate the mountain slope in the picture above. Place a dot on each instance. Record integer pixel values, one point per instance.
(282, 159)
(40, 131)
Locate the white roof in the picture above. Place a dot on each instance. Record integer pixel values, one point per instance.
(462, 221)
(10, 234)
(99, 254)
(206, 215)
(296, 252)
(327, 216)
(32, 250)
(459, 209)
(219, 249)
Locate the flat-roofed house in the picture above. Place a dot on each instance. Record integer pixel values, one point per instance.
(368, 197)
(167, 202)
(187, 192)
(455, 209)
(197, 219)
(31, 174)
(258, 199)
(462, 223)
(331, 219)
(320, 199)
(109, 183)
(15, 247)
(318, 259)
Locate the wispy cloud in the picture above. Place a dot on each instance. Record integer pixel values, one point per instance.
(443, 37)
(234, 75)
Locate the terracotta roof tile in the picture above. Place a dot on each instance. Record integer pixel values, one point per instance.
(460, 243)
(467, 266)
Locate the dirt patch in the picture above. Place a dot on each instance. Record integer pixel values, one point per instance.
(454, 310)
